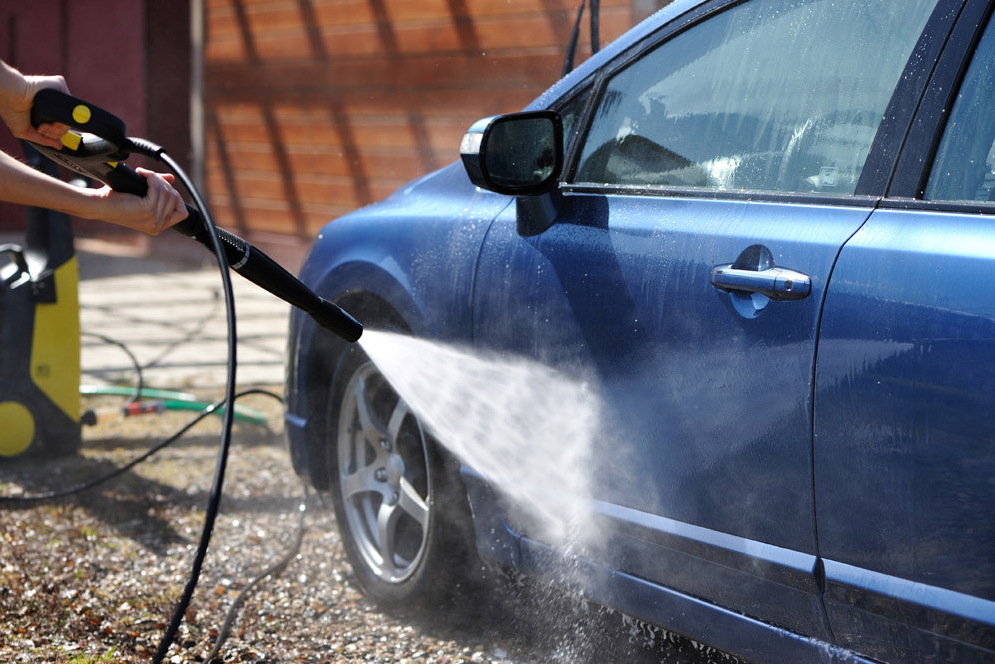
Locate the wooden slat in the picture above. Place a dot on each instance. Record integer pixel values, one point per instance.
(321, 190)
(439, 39)
(397, 165)
(318, 107)
(260, 216)
(532, 72)
(224, 21)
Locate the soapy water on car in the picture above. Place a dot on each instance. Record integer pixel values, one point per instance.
(525, 427)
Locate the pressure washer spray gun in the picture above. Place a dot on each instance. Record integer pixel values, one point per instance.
(97, 146)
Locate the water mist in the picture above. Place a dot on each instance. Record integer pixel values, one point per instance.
(523, 426)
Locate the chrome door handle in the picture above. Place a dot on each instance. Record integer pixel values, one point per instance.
(774, 282)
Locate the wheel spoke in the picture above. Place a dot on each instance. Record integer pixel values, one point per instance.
(386, 529)
(361, 481)
(396, 419)
(413, 504)
(373, 429)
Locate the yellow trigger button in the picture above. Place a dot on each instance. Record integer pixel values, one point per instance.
(81, 114)
(71, 140)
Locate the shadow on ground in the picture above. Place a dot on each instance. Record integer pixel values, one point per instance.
(554, 626)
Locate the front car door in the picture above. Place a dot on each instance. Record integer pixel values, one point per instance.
(737, 137)
(905, 390)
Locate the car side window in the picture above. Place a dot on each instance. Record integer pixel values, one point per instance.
(964, 169)
(771, 95)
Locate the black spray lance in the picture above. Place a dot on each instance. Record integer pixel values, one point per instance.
(97, 148)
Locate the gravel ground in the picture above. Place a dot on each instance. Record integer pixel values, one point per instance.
(94, 578)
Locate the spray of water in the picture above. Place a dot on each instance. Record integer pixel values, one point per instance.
(523, 426)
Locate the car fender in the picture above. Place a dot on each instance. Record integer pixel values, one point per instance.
(409, 262)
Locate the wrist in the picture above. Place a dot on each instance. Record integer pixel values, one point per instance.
(90, 203)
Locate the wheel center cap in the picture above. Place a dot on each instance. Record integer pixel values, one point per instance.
(395, 470)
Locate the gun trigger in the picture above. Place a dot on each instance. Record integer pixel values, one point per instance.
(72, 140)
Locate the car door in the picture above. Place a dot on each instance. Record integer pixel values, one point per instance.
(732, 144)
(905, 390)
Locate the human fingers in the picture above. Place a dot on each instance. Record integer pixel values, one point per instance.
(37, 83)
(48, 134)
(165, 203)
(53, 130)
(17, 115)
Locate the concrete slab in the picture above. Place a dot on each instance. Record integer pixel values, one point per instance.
(171, 316)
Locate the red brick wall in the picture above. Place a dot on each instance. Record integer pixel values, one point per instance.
(315, 107)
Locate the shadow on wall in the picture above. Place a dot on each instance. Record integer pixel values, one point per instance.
(315, 108)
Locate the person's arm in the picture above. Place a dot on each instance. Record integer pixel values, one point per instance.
(161, 207)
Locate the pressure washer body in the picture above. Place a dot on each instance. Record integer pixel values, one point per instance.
(39, 337)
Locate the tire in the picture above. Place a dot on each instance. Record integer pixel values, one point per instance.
(401, 507)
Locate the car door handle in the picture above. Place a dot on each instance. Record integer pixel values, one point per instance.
(776, 283)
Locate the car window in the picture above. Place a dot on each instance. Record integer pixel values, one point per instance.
(775, 95)
(964, 169)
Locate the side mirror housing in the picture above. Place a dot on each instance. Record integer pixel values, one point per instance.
(520, 154)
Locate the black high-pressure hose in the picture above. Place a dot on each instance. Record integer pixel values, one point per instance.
(32, 498)
(140, 378)
(99, 155)
(214, 502)
(568, 63)
(595, 28)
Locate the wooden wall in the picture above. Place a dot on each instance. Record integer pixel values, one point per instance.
(315, 107)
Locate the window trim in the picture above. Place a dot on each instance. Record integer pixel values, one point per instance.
(882, 161)
(958, 207)
(760, 196)
(587, 87)
(886, 148)
(918, 155)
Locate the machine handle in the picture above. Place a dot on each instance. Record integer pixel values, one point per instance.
(51, 105)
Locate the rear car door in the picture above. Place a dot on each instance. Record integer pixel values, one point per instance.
(905, 390)
(734, 143)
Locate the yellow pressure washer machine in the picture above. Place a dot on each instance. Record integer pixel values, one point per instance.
(40, 336)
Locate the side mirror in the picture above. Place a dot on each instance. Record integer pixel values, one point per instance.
(516, 154)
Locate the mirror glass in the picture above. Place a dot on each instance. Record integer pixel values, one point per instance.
(520, 151)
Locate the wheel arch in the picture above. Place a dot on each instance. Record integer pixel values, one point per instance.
(324, 358)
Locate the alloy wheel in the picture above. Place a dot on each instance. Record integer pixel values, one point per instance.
(384, 477)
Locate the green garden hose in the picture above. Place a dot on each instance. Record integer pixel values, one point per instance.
(172, 400)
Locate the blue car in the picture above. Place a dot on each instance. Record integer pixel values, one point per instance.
(763, 233)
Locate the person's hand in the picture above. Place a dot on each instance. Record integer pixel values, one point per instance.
(15, 109)
(161, 208)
